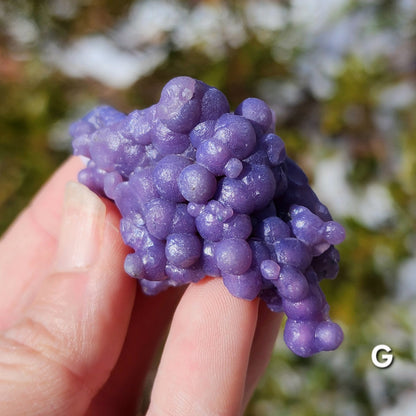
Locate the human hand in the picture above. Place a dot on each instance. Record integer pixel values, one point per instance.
(77, 335)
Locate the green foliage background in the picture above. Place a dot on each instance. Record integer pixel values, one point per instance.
(364, 116)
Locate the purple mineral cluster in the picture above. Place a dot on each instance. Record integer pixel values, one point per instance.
(205, 191)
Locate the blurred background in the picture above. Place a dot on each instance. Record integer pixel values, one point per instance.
(342, 81)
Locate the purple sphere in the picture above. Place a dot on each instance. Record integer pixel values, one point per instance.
(183, 250)
(197, 184)
(233, 256)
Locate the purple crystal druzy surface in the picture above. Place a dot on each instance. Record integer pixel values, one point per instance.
(206, 191)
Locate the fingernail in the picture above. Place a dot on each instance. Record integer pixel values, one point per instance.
(82, 229)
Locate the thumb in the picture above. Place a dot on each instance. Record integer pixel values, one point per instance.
(62, 350)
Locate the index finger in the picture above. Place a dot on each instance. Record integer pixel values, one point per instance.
(206, 357)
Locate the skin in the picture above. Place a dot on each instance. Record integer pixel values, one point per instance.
(78, 336)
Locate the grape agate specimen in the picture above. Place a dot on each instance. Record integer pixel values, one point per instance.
(205, 191)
